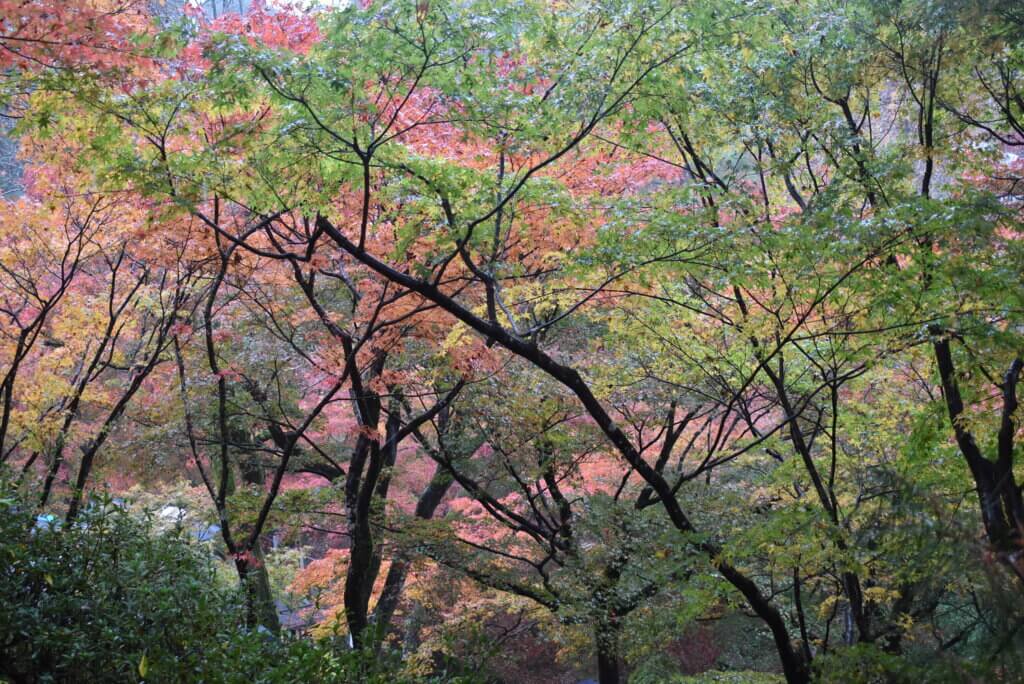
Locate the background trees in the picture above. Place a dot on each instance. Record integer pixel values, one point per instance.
(640, 314)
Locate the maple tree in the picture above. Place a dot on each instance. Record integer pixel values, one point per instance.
(68, 35)
(623, 311)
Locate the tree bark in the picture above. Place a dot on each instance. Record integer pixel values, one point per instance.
(606, 641)
(1000, 498)
(428, 502)
(260, 610)
(251, 563)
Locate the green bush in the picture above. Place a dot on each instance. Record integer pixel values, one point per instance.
(104, 599)
(745, 677)
(108, 599)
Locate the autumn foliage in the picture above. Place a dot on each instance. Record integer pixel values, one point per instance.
(534, 340)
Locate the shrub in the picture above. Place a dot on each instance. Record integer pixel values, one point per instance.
(104, 599)
(109, 598)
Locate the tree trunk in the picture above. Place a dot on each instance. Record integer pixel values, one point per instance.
(1000, 498)
(428, 502)
(607, 645)
(357, 582)
(260, 610)
(252, 567)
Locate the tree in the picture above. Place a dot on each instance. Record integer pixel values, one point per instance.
(735, 243)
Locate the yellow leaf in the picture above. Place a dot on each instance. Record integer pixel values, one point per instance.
(143, 666)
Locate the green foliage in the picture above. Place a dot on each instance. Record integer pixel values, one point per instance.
(108, 599)
(721, 678)
(88, 602)
(838, 206)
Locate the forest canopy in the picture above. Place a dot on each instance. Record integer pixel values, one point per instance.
(511, 341)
